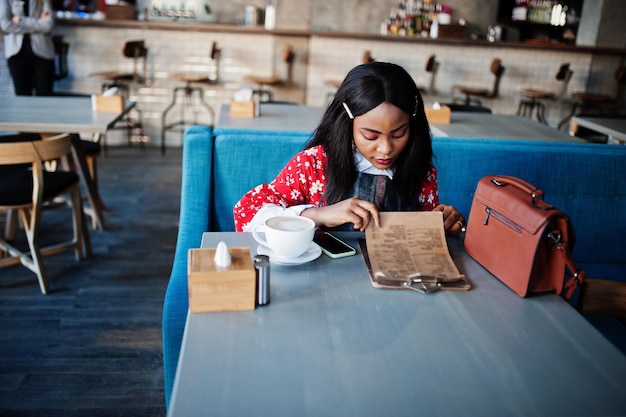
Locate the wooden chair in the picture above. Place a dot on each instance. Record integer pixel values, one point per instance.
(432, 67)
(85, 153)
(265, 84)
(497, 70)
(601, 297)
(124, 80)
(533, 98)
(599, 102)
(194, 83)
(27, 190)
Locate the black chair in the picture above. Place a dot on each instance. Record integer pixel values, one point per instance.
(26, 186)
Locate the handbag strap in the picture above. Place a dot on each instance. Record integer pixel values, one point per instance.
(577, 274)
(577, 278)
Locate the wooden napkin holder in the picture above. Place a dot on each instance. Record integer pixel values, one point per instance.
(213, 288)
(242, 108)
(438, 116)
(108, 104)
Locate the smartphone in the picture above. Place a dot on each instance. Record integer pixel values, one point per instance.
(332, 245)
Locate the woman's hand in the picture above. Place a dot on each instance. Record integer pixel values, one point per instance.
(453, 221)
(352, 210)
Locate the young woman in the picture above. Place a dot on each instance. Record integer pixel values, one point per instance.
(371, 152)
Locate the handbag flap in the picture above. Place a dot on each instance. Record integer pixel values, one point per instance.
(513, 202)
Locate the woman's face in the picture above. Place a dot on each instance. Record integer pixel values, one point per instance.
(381, 134)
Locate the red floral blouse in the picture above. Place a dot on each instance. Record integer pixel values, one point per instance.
(302, 181)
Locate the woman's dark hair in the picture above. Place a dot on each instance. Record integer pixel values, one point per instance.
(364, 88)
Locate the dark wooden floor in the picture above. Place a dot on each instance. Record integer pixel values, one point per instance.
(93, 346)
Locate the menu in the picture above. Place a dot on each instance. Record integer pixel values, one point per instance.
(409, 251)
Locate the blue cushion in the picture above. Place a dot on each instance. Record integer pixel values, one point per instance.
(265, 155)
(194, 220)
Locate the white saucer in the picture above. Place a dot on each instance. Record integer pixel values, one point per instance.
(312, 253)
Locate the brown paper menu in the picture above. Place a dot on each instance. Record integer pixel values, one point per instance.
(409, 251)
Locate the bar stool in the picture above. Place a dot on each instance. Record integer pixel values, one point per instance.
(598, 102)
(432, 67)
(192, 85)
(533, 98)
(123, 80)
(335, 84)
(497, 70)
(265, 84)
(367, 57)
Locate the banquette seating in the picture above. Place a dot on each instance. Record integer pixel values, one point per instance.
(586, 181)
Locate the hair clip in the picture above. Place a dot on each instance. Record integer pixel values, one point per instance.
(416, 105)
(345, 106)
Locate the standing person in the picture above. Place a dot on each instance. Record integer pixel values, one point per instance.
(28, 45)
(371, 152)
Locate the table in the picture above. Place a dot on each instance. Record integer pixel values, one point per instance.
(614, 128)
(274, 116)
(296, 118)
(498, 126)
(329, 344)
(59, 115)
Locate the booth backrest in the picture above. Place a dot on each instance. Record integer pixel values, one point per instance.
(243, 160)
(586, 181)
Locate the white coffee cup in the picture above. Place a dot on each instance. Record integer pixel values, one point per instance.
(287, 236)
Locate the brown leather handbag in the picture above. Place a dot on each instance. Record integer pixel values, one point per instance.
(522, 240)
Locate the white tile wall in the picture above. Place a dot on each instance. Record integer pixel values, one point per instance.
(94, 49)
(332, 58)
(318, 59)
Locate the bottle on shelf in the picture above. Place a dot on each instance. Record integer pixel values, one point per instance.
(270, 16)
(411, 18)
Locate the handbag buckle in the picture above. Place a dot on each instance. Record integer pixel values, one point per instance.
(555, 237)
